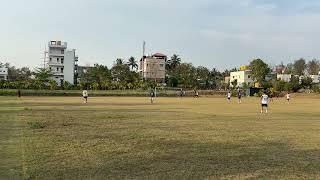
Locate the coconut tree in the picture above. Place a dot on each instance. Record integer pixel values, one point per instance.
(119, 61)
(132, 63)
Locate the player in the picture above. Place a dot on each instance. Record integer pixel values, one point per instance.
(19, 93)
(288, 96)
(264, 102)
(85, 96)
(239, 95)
(196, 94)
(152, 96)
(229, 96)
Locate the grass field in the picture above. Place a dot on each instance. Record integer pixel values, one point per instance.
(126, 137)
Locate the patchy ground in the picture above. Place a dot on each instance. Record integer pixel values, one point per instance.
(126, 137)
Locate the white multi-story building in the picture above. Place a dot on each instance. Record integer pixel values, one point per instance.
(284, 77)
(153, 67)
(3, 73)
(315, 78)
(241, 77)
(62, 62)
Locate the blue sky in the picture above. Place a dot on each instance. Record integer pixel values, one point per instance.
(221, 34)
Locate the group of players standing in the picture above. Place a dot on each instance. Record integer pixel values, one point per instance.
(264, 98)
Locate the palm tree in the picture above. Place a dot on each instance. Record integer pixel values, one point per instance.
(133, 63)
(174, 62)
(119, 61)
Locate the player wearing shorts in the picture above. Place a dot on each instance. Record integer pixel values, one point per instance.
(152, 96)
(288, 96)
(264, 102)
(229, 96)
(85, 96)
(239, 95)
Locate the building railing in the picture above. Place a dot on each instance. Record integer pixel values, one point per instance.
(57, 44)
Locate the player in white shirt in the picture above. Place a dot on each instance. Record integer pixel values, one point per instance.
(264, 102)
(288, 96)
(229, 96)
(85, 96)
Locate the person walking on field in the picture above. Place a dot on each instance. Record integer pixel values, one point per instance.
(288, 96)
(239, 95)
(264, 102)
(19, 93)
(196, 93)
(152, 96)
(229, 96)
(85, 96)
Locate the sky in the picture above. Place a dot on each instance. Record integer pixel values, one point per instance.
(213, 33)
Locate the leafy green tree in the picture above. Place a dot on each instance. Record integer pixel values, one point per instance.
(42, 76)
(119, 61)
(259, 70)
(53, 84)
(132, 63)
(203, 75)
(313, 67)
(306, 82)
(186, 75)
(299, 66)
(279, 85)
(289, 69)
(67, 85)
(119, 72)
(99, 74)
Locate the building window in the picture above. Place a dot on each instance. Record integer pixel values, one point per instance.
(249, 76)
(58, 59)
(57, 69)
(50, 68)
(62, 60)
(50, 59)
(62, 51)
(147, 65)
(62, 70)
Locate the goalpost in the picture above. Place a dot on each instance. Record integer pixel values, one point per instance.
(168, 90)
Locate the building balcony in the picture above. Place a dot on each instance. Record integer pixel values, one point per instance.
(55, 73)
(55, 55)
(76, 58)
(55, 64)
(57, 44)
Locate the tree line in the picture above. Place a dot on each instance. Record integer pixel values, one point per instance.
(124, 75)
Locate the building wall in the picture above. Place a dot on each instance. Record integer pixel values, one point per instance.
(69, 66)
(315, 78)
(3, 73)
(241, 77)
(284, 77)
(153, 68)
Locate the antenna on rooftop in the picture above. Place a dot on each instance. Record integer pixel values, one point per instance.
(144, 49)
